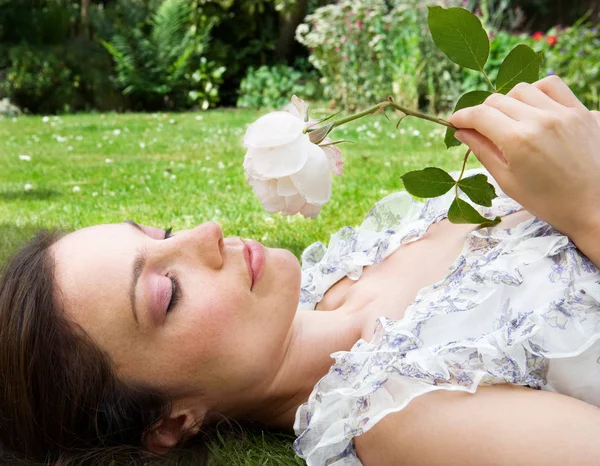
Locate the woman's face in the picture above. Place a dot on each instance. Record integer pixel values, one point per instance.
(179, 313)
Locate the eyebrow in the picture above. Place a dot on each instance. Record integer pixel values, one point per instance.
(139, 263)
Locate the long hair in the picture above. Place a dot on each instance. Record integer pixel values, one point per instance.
(61, 401)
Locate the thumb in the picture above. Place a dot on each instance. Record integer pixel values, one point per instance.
(486, 151)
(596, 114)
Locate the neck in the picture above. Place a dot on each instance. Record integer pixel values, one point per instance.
(313, 337)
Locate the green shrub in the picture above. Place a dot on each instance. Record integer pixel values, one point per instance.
(38, 80)
(59, 78)
(574, 55)
(161, 63)
(369, 49)
(272, 86)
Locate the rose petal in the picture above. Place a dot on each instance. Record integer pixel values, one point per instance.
(278, 161)
(273, 129)
(310, 210)
(266, 191)
(298, 108)
(250, 173)
(293, 204)
(314, 181)
(285, 187)
(334, 157)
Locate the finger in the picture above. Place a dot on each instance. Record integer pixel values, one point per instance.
(596, 114)
(486, 151)
(488, 121)
(513, 108)
(535, 97)
(556, 89)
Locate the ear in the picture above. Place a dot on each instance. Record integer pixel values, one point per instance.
(173, 428)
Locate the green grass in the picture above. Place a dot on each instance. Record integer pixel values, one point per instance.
(182, 169)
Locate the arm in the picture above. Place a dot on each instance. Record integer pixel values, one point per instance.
(500, 426)
(542, 146)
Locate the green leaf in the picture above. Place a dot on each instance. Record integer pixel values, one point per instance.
(522, 64)
(429, 182)
(459, 34)
(470, 99)
(479, 190)
(462, 212)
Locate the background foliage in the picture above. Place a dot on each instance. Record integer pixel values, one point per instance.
(180, 54)
(369, 49)
(272, 86)
(163, 63)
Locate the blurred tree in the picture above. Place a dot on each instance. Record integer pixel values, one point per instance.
(84, 18)
(289, 19)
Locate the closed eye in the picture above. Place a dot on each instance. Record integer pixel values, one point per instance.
(175, 293)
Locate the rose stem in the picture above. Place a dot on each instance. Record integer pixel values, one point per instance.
(381, 106)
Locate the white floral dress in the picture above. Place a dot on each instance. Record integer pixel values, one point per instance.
(519, 306)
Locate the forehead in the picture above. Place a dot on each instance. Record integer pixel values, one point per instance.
(109, 237)
(86, 253)
(92, 274)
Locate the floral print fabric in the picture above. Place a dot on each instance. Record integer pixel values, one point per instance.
(519, 306)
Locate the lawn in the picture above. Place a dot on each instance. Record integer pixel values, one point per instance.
(182, 169)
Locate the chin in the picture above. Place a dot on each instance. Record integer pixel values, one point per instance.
(283, 269)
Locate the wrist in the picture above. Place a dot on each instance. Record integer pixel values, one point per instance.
(586, 237)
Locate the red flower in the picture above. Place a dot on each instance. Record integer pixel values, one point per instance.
(552, 40)
(538, 35)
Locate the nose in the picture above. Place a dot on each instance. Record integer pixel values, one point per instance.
(205, 240)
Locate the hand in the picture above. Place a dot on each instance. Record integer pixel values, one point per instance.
(542, 145)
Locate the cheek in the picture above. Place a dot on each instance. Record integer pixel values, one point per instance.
(211, 316)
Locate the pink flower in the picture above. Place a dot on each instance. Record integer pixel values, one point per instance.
(538, 35)
(288, 168)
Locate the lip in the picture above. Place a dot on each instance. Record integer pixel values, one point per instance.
(254, 255)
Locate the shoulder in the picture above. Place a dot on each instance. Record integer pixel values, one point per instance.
(511, 425)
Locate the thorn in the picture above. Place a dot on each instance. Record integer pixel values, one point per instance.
(400, 120)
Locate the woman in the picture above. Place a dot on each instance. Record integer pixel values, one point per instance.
(130, 335)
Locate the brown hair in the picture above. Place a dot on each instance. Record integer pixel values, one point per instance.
(60, 399)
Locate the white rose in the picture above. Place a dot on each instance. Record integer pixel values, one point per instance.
(288, 172)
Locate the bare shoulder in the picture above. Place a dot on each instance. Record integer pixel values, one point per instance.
(500, 425)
